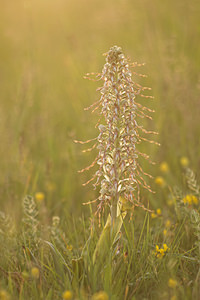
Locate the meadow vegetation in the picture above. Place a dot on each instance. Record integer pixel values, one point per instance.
(47, 237)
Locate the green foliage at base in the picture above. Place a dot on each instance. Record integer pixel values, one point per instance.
(152, 256)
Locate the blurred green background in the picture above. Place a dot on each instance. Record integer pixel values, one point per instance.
(46, 47)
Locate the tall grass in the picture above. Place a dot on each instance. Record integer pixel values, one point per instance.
(154, 256)
(44, 55)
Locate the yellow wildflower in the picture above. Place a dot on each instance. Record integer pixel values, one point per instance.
(172, 283)
(4, 295)
(35, 273)
(164, 167)
(39, 197)
(170, 202)
(190, 199)
(159, 212)
(165, 232)
(67, 295)
(173, 297)
(165, 247)
(160, 181)
(153, 215)
(160, 252)
(100, 296)
(168, 224)
(184, 161)
(187, 200)
(195, 200)
(157, 248)
(157, 253)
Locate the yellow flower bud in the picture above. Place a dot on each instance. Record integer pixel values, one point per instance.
(4, 295)
(190, 199)
(67, 295)
(168, 224)
(195, 200)
(160, 181)
(100, 296)
(172, 283)
(153, 215)
(164, 167)
(159, 212)
(39, 197)
(165, 247)
(184, 161)
(35, 272)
